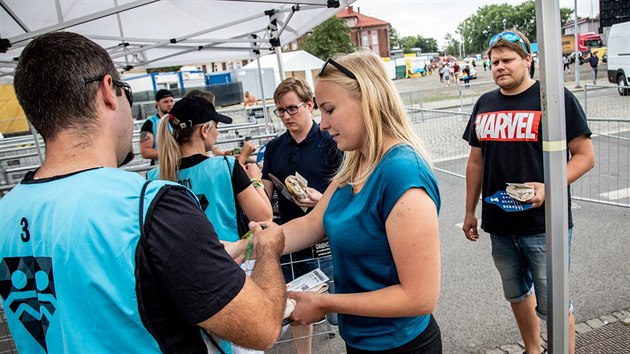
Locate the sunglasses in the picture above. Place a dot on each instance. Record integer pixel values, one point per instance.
(279, 112)
(339, 67)
(510, 37)
(119, 84)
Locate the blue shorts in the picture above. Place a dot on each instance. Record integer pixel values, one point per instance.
(522, 264)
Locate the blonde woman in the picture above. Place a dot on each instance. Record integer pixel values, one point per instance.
(380, 214)
(221, 183)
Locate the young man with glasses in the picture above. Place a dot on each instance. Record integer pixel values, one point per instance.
(84, 246)
(505, 136)
(312, 153)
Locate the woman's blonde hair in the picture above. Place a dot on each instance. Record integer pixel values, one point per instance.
(169, 143)
(383, 111)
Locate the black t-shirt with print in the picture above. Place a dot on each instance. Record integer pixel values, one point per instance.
(508, 130)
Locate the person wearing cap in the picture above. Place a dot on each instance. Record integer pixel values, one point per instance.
(222, 184)
(248, 146)
(95, 259)
(506, 146)
(148, 132)
(225, 188)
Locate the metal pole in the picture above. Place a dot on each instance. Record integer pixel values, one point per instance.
(280, 63)
(577, 50)
(262, 91)
(555, 166)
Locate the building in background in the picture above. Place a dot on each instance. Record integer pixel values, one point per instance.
(366, 31)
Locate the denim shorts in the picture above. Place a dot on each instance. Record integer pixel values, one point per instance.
(522, 264)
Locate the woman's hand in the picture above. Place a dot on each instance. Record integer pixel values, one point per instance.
(307, 308)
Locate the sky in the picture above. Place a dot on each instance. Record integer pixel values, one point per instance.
(435, 18)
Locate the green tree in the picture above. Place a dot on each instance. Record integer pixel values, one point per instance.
(426, 45)
(452, 45)
(329, 38)
(477, 29)
(394, 39)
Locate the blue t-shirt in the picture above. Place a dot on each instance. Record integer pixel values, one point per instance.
(362, 258)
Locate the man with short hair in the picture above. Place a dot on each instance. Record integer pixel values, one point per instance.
(593, 61)
(505, 136)
(96, 259)
(148, 133)
(311, 152)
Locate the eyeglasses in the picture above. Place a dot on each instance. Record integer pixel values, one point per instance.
(119, 84)
(279, 112)
(339, 67)
(510, 37)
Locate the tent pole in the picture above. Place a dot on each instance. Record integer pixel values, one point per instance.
(555, 168)
(262, 92)
(280, 63)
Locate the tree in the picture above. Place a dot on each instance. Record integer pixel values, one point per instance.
(476, 30)
(452, 45)
(426, 45)
(329, 38)
(394, 39)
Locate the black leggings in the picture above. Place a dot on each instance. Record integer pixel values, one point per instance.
(428, 342)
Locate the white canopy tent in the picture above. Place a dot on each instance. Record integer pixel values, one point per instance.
(298, 64)
(154, 33)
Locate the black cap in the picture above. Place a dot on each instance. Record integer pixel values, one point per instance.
(163, 93)
(192, 110)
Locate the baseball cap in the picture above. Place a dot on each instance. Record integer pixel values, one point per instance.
(162, 94)
(192, 110)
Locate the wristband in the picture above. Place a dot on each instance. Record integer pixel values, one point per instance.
(257, 183)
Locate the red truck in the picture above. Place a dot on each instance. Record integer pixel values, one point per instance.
(586, 41)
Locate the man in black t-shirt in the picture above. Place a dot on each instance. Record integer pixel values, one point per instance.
(505, 135)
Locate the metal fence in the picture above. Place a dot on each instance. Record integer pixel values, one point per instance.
(608, 114)
(19, 154)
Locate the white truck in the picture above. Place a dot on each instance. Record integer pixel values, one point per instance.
(619, 57)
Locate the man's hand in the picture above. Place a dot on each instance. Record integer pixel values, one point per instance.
(307, 309)
(313, 196)
(270, 240)
(470, 227)
(539, 194)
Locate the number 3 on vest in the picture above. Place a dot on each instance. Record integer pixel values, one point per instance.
(26, 236)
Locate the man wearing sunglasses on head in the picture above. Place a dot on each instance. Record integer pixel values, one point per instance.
(311, 152)
(505, 136)
(85, 247)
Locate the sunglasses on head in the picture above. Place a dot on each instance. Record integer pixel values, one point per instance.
(119, 84)
(339, 67)
(510, 37)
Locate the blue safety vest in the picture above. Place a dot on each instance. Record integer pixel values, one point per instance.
(68, 249)
(211, 181)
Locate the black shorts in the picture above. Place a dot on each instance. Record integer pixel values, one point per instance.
(428, 342)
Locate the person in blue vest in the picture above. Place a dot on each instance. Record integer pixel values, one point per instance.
(227, 190)
(148, 132)
(94, 259)
(222, 184)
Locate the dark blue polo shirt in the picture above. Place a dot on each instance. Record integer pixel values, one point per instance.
(316, 158)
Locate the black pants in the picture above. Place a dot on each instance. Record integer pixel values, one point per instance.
(428, 342)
